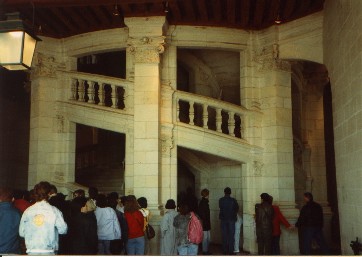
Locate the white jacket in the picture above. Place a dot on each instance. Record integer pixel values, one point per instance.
(108, 227)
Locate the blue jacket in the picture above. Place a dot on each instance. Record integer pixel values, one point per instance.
(9, 227)
(228, 208)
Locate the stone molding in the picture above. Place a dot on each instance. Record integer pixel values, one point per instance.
(146, 49)
(267, 59)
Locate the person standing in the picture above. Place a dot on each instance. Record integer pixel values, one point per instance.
(228, 214)
(108, 227)
(142, 201)
(181, 223)
(238, 224)
(310, 221)
(264, 215)
(82, 233)
(168, 231)
(42, 223)
(135, 222)
(204, 214)
(9, 223)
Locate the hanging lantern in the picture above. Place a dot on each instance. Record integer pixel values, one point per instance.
(17, 43)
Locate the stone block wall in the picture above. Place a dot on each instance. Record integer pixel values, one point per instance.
(343, 58)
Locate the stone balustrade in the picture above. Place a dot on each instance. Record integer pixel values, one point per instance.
(210, 113)
(100, 90)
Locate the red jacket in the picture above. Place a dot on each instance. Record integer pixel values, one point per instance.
(21, 204)
(278, 218)
(135, 222)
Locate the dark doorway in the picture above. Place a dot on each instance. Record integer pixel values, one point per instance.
(100, 156)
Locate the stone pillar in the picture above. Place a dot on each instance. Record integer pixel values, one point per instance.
(277, 175)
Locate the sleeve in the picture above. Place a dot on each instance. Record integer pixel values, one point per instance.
(59, 222)
(282, 218)
(22, 224)
(116, 225)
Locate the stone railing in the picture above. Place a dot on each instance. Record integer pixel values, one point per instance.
(100, 90)
(210, 113)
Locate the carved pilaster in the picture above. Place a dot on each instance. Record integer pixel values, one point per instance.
(146, 49)
(267, 59)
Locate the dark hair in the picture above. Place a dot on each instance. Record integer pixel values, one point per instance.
(79, 193)
(101, 201)
(93, 192)
(309, 196)
(6, 194)
(184, 209)
(170, 204)
(41, 191)
(227, 190)
(53, 189)
(123, 199)
(77, 203)
(113, 195)
(204, 192)
(142, 201)
(18, 194)
(131, 204)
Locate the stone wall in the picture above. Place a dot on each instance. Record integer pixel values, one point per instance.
(343, 58)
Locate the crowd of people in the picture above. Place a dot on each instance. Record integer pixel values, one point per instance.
(43, 222)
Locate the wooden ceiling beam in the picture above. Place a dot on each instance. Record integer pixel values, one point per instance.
(101, 15)
(78, 18)
(271, 12)
(69, 3)
(231, 11)
(202, 10)
(175, 10)
(190, 12)
(288, 10)
(216, 10)
(258, 13)
(245, 13)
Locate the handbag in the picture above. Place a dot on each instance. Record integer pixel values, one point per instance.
(150, 232)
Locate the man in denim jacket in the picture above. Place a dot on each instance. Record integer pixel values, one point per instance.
(41, 224)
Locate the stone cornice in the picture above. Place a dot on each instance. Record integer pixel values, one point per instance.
(146, 49)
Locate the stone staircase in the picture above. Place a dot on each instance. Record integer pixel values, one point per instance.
(104, 178)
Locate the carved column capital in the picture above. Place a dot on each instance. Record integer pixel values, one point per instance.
(146, 49)
(267, 59)
(45, 66)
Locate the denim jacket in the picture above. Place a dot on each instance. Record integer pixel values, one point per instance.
(40, 225)
(9, 225)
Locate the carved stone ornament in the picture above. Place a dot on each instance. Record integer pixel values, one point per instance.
(146, 49)
(258, 168)
(45, 66)
(167, 144)
(267, 59)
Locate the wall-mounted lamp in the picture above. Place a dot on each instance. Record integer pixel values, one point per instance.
(17, 43)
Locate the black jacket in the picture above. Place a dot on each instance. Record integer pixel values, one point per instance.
(204, 214)
(264, 214)
(311, 215)
(228, 208)
(83, 238)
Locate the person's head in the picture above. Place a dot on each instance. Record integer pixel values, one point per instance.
(78, 193)
(112, 200)
(227, 191)
(265, 197)
(142, 201)
(41, 191)
(18, 194)
(123, 200)
(78, 205)
(308, 197)
(113, 195)
(6, 194)
(53, 190)
(205, 193)
(184, 209)
(131, 204)
(92, 192)
(101, 201)
(170, 204)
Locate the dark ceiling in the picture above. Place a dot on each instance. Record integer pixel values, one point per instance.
(63, 18)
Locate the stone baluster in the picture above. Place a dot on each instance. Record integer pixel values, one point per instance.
(126, 100)
(178, 109)
(192, 113)
(73, 89)
(82, 90)
(243, 125)
(218, 120)
(205, 116)
(91, 92)
(101, 94)
(114, 96)
(231, 124)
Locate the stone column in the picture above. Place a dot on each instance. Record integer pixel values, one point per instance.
(277, 174)
(146, 44)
